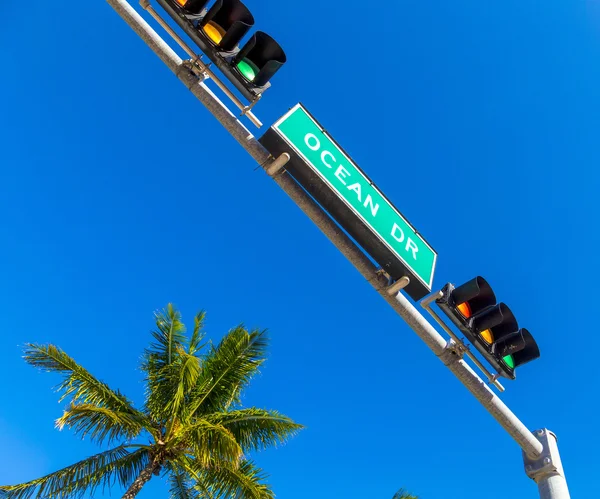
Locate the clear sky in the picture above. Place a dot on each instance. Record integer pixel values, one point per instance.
(120, 193)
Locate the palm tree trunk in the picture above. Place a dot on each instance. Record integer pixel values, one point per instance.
(145, 475)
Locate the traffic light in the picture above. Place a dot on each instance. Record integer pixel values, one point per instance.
(218, 31)
(490, 327)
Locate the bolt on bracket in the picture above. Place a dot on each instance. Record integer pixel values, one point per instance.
(548, 463)
(277, 164)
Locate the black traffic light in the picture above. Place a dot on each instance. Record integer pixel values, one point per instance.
(218, 30)
(490, 327)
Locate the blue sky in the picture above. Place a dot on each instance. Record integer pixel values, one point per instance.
(120, 193)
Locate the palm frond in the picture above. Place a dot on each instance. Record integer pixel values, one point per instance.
(195, 344)
(207, 442)
(403, 494)
(100, 423)
(170, 335)
(185, 464)
(77, 382)
(180, 484)
(227, 369)
(169, 388)
(256, 429)
(158, 360)
(157, 390)
(246, 481)
(189, 371)
(103, 469)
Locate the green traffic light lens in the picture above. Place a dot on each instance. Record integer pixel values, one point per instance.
(248, 69)
(509, 361)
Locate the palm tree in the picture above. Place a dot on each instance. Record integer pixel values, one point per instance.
(198, 435)
(402, 494)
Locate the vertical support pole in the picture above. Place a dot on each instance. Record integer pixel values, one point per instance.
(547, 469)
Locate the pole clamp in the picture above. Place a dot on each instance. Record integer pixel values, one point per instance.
(452, 352)
(548, 463)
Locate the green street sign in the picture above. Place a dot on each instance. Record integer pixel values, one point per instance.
(352, 199)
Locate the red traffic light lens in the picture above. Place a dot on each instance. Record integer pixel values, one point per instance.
(464, 309)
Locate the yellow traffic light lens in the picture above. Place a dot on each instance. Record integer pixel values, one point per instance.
(213, 31)
(464, 309)
(248, 69)
(487, 336)
(182, 2)
(509, 361)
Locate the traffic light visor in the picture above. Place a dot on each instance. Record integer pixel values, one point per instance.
(465, 310)
(499, 320)
(529, 352)
(473, 296)
(226, 23)
(192, 6)
(263, 55)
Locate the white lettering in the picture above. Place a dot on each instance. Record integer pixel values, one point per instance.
(410, 245)
(398, 237)
(316, 143)
(356, 188)
(341, 173)
(369, 201)
(325, 154)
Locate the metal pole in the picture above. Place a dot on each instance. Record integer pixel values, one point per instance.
(531, 446)
(547, 470)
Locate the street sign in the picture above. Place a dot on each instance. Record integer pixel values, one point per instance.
(322, 167)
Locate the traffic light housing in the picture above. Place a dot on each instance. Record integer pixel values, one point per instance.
(218, 30)
(491, 327)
